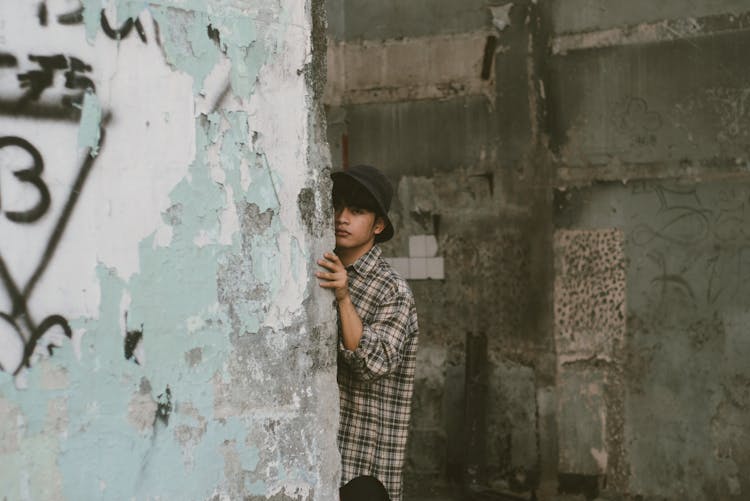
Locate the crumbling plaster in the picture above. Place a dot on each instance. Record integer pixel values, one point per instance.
(200, 359)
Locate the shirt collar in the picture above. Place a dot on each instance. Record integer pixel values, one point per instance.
(366, 263)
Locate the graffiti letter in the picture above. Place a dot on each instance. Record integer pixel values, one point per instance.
(124, 30)
(31, 176)
(38, 80)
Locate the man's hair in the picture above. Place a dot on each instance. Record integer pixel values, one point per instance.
(349, 193)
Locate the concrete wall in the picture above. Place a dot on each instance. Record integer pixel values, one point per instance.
(509, 129)
(162, 190)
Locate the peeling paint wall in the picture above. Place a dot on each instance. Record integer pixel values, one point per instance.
(163, 191)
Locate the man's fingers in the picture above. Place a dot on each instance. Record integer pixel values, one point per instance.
(330, 285)
(326, 264)
(333, 257)
(331, 265)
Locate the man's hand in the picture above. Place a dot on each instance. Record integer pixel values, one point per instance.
(335, 278)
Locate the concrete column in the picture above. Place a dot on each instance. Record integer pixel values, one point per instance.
(163, 198)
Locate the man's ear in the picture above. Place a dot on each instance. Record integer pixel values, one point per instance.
(379, 225)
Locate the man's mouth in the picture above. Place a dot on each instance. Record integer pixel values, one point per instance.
(342, 233)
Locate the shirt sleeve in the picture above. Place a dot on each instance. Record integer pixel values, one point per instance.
(380, 349)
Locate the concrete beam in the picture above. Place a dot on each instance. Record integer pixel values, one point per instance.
(652, 32)
(433, 67)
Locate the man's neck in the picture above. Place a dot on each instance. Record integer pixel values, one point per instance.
(350, 256)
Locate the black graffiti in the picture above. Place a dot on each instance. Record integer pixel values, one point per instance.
(132, 338)
(28, 332)
(37, 81)
(42, 14)
(69, 18)
(8, 60)
(20, 317)
(124, 30)
(31, 176)
(163, 407)
(76, 17)
(214, 35)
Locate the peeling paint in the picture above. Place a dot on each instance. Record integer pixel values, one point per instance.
(193, 258)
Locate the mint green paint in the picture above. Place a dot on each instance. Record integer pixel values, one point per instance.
(92, 17)
(186, 44)
(255, 487)
(240, 39)
(98, 453)
(235, 151)
(90, 126)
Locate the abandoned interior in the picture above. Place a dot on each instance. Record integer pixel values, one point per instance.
(582, 167)
(572, 213)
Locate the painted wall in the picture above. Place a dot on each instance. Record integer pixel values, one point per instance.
(163, 191)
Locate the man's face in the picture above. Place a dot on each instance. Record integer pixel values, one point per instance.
(356, 227)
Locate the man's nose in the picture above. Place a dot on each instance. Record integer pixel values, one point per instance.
(342, 215)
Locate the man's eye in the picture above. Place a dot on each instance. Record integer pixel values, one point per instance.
(357, 210)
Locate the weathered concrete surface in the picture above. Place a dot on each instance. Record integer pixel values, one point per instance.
(436, 67)
(665, 30)
(392, 19)
(164, 196)
(599, 387)
(463, 171)
(663, 110)
(686, 376)
(573, 16)
(443, 135)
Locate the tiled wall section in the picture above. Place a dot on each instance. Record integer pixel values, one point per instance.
(423, 262)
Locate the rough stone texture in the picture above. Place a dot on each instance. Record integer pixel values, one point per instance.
(165, 194)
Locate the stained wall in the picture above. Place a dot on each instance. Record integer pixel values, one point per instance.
(161, 172)
(575, 162)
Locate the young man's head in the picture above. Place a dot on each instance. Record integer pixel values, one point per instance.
(361, 198)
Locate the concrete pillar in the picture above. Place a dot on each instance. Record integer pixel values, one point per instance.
(163, 198)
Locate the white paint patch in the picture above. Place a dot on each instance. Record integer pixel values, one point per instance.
(141, 412)
(655, 32)
(124, 307)
(601, 457)
(501, 16)
(77, 340)
(283, 137)
(11, 345)
(24, 486)
(194, 323)
(215, 85)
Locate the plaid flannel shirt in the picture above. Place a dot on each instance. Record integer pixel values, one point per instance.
(376, 380)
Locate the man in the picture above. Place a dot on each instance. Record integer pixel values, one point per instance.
(377, 331)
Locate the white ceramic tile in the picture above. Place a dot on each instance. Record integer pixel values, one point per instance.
(431, 245)
(435, 268)
(417, 246)
(417, 268)
(401, 265)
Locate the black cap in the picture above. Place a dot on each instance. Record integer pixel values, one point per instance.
(378, 186)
